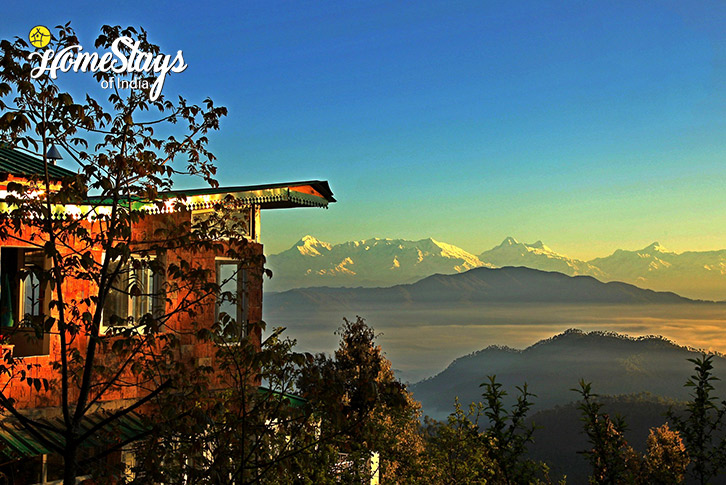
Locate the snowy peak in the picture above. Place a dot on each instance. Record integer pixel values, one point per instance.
(311, 241)
(509, 241)
(310, 246)
(539, 245)
(510, 245)
(365, 262)
(453, 252)
(388, 262)
(655, 248)
(695, 274)
(537, 256)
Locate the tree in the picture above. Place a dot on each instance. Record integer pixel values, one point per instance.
(364, 410)
(317, 420)
(507, 435)
(614, 461)
(666, 457)
(244, 433)
(454, 448)
(702, 426)
(487, 444)
(136, 154)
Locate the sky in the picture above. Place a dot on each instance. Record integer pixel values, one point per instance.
(591, 126)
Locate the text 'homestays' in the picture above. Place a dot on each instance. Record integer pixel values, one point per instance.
(117, 61)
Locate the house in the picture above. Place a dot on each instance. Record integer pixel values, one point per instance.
(31, 340)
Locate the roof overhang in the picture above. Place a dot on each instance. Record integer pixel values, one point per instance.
(315, 193)
(16, 442)
(22, 163)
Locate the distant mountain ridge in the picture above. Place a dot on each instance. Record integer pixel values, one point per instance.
(387, 262)
(537, 256)
(494, 285)
(697, 274)
(614, 363)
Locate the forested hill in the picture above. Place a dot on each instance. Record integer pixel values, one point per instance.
(615, 364)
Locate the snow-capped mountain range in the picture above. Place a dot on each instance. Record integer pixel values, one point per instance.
(537, 256)
(387, 262)
(370, 262)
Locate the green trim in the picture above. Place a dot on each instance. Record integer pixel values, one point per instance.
(295, 401)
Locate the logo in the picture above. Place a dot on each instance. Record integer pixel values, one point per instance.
(126, 59)
(39, 36)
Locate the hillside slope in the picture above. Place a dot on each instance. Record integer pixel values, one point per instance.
(615, 364)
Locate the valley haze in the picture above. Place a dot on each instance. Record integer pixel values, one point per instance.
(427, 324)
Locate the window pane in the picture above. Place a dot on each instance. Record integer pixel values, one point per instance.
(231, 303)
(9, 287)
(32, 297)
(116, 309)
(142, 278)
(135, 293)
(227, 306)
(31, 305)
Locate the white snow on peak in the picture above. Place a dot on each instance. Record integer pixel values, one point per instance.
(454, 252)
(657, 264)
(340, 268)
(656, 247)
(539, 245)
(310, 246)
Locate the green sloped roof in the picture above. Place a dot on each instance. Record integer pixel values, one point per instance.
(17, 443)
(20, 163)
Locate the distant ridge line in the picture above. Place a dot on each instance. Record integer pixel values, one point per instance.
(376, 262)
(593, 333)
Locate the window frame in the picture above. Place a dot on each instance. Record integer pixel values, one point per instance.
(41, 297)
(17, 284)
(242, 292)
(157, 301)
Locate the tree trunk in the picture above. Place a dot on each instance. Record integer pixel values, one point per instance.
(69, 464)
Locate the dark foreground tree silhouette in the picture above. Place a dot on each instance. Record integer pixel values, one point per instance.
(702, 426)
(508, 434)
(454, 448)
(487, 444)
(364, 410)
(244, 433)
(614, 461)
(84, 226)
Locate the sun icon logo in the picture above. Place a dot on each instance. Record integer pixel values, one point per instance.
(39, 36)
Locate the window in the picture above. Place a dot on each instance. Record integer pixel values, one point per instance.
(21, 295)
(232, 301)
(32, 294)
(23, 300)
(136, 292)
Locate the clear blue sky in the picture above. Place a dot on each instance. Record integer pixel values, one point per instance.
(589, 125)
